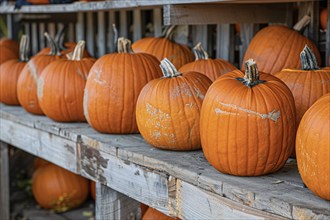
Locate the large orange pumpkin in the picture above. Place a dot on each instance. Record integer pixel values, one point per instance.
(168, 109)
(212, 68)
(27, 81)
(248, 123)
(277, 47)
(9, 73)
(61, 87)
(324, 18)
(7, 54)
(11, 44)
(39, 162)
(164, 47)
(113, 87)
(58, 189)
(313, 147)
(153, 214)
(306, 84)
(93, 189)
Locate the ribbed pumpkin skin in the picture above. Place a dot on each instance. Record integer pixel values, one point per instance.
(241, 131)
(153, 214)
(277, 47)
(7, 54)
(9, 73)
(112, 89)
(212, 68)
(27, 82)
(162, 48)
(168, 110)
(11, 44)
(61, 89)
(306, 86)
(58, 189)
(313, 147)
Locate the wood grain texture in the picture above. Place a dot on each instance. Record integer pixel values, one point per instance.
(4, 181)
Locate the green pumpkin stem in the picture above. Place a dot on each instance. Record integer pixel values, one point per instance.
(308, 59)
(200, 53)
(251, 77)
(24, 49)
(169, 69)
(53, 46)
(124, 45)
(169, 32)
(78, 52)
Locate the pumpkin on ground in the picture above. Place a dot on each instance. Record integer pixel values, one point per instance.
(306, 84)
(10, 44)
(58, 189)
(9, 73)
(168, 109)
(212, 68)
(277, 47)
(27, 81)
(113, 87)
(61, 86)
(153, 214)
(248, 123)
(313, 147)
(164, 47)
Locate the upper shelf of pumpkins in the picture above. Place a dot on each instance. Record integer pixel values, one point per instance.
(41, 6)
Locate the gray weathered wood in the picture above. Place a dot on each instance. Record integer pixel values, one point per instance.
(101, 41)
(123, 27)
(42, 29)
(110, 36)
(199, 33)
(51, 29)
(158, 21)
(137, 25)
(224, 13)
(80, 27)
(71, 36)
(10, 28)
(224, 45)
(111, 204)
(246, 33)
(90, 42)
(4, 181)
(34, 38)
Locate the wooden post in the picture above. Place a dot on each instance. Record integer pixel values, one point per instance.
(42, 29)
(158, 21)
(224, 45)
(200, 34)
(34, 38)
(247, 32)
(137, 25)
(101, 41)
(123, 24)
(80, 27)
(110, 37)
(4, 182)
(111, 204)
(90, 33)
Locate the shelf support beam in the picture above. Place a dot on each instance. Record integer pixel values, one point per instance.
(4, 181)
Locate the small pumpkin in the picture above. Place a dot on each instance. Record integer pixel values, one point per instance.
(324, 18)
(168, 109)
(164, 47)
(248, 123)
(212, 68)
(277, 47)
(61, 86)
(313, 147)
(11, 44)
(27, 81)
(9, 73)
(58, 189)
(113, 86)
(153, 214)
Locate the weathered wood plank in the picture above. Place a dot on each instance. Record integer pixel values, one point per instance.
(34, 38)
(199, 33)
(158, 21)
(111, 204)
(4, 181)
(90, 42)
(101, 40)
(57, 150)
(137, 25)
(123, 27)
(224, 13)
(80, 27)
(224, 45)
(110, 36)
(42, 29)
(246, 33)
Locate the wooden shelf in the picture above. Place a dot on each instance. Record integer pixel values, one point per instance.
(118, 4)
(181, 184)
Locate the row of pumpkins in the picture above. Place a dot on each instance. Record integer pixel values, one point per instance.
(245, 121)
(60, 190)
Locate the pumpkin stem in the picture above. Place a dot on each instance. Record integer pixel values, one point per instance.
(124, 45)
(200, 53)
(169, 32)
(53, 47)
(59, 38)
(78, 52)
(115, 36)
(251, 77)
(169, 69)
(24, 49)
(308, 59)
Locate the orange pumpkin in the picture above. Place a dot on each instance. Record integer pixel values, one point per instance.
(324, 18)
(313, 147)
(7, 54)
(11, 44)
(168, 109)
(93, 189)
(212, 68)
(38, 2)
(39, 162)
(248, 123)
(153, 214)
(9, 73)
(144, 209)
(58, 189)
(27, 81)
(164, 47)
(61, 87)
(277, 47)
(307, 84)
(113, 87)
